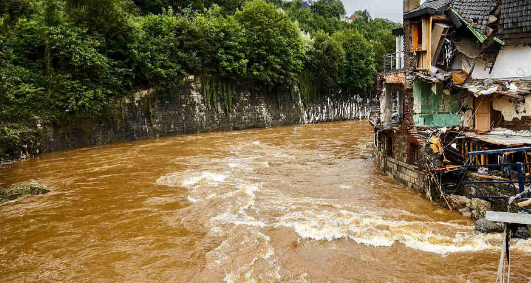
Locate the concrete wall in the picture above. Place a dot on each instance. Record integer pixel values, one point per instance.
(152, 114)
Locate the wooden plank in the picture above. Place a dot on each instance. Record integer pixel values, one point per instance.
(491, 177)
(415, 35)
(441, 18)
(508, 217)
(524, 203)
(437, 40)
(426, 42)
(438, 186)
(430, 27)
(483, 114)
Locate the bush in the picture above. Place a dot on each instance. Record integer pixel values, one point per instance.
(274, 47)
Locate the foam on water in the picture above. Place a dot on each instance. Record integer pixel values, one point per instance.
(323, 219)
(371, 229)
(241, 204)
(207, 176)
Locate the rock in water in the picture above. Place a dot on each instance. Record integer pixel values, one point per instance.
(485, 226)
(522, 232)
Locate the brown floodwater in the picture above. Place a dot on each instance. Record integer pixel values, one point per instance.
(291, 204)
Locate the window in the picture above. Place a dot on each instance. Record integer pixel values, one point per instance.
(416, 32)
(413, 153)
(421, 37)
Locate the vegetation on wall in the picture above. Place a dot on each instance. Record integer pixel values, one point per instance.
(65, 58)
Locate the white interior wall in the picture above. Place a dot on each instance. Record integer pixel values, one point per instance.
(511, 109)
(512, 62)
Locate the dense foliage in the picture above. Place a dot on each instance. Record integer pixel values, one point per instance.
(60, 58)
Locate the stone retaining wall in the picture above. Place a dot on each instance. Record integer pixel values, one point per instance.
(406, 174)
(152, 114)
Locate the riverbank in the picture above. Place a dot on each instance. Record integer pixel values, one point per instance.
(19, 190)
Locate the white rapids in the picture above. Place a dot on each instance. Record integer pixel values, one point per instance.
(243, 196)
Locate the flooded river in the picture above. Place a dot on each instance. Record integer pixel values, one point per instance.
(291, 204)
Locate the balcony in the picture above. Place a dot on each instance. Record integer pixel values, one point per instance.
(394, 62)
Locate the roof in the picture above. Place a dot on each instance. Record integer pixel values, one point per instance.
(476, 11)
(430, 7)
(398, 31)
(516, 14)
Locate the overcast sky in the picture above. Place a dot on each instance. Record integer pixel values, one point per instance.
(387, 9)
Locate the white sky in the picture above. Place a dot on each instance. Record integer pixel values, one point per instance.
(387, 9)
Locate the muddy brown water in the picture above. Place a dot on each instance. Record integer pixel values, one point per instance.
(291, 204)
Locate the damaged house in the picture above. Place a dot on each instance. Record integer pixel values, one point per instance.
(454, 118)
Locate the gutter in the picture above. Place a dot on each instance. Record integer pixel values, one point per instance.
(420, 12)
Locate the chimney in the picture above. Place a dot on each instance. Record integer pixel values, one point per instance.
(410, 5)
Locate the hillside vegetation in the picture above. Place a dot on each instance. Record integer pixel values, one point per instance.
(64, 58)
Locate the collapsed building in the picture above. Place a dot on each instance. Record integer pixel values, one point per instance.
(454, 117)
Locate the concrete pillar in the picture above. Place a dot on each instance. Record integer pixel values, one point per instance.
(399, 52)
(410, 5)
(386, 105)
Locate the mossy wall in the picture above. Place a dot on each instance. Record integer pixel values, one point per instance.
(160, 113)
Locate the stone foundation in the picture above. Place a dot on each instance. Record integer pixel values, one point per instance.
(406, 174)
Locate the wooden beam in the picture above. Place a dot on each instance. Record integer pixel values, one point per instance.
(441, 18)
(507, 217)
(491, 177)
(437, 40)
(524, 203)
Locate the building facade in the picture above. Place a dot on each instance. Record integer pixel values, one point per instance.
(459, 82)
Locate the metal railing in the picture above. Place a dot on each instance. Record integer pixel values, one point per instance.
(394, 61)
(520, 168)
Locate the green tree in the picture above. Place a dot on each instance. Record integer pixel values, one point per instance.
(12, 10)
(359, 70)
(164, 54)
(81, 79)
(312, 22)
(274, 46)
(325, 63)
(154, 6)
(329, 8)
(220, 44)
(22, 81)
(363, 15)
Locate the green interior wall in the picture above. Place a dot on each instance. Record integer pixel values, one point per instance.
(434, 109)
